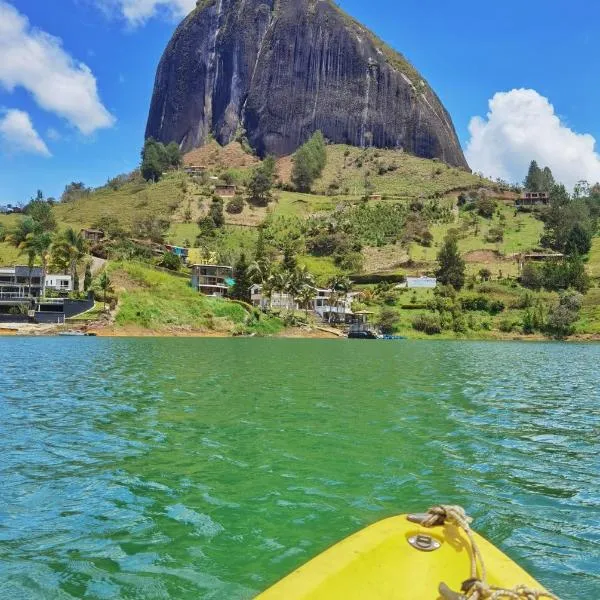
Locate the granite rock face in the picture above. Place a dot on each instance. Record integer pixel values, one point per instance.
(278, 70)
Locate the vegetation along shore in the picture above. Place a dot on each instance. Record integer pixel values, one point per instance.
(423, 249)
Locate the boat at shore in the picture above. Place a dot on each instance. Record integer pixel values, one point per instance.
(433, 555)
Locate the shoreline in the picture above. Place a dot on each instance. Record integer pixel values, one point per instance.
(111, 331)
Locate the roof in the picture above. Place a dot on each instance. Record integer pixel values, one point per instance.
(215, 266)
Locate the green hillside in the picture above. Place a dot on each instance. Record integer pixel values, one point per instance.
(372, 214)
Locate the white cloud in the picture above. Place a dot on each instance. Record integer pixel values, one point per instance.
(18, 134)
(137, 12)
(522, 126)
(36, 61)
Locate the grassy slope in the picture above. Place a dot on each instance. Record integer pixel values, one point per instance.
(411, 177)
(164, 302)
(127, 203)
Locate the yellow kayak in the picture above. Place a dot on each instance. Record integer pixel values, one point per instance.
(399, 559)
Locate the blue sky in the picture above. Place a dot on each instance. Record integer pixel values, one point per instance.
(542, 54)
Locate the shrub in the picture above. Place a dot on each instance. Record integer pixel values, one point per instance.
(506, 325)
(388, 321)
(427, 323)
(481, 303)
(561, 321)
(459, 323)
(235, 206)
(327, 244)
(485, 207)
(494, 235)
(170, 261)
(532, 277)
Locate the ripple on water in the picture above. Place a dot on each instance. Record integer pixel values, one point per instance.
(184, 469)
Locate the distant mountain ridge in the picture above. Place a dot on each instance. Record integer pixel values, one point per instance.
(275, 71)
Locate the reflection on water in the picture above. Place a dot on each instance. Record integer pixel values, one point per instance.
(159, 468)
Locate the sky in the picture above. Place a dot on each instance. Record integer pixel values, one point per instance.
(520, 80)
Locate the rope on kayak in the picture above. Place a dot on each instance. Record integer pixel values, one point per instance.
(476, 588)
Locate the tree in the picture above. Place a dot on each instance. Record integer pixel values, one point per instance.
(74, 191)
(173, 155)
(151, 228)
(388, 320)
(486, 207)
(309, 162)
(290, 262)
(451, 269)
(105, 285)
(87, 278)
(69, 249)
(531, 277)
(562, 317)
(36, 245)
(22, 229)
(243, 281)
(579, 240)
(154, 160)
(234, 207)
(341, 286)
(170, 261)
(306, 298)
(261, 182)
(485, 274)
(41, 212)
(547, 180)
(215, 212)
(533, 181)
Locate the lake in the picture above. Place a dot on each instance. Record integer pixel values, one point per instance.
(201, 468)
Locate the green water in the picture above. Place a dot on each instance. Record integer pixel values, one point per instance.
(163, 468)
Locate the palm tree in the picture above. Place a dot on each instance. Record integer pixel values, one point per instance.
(267, 289)
(344, 286)
(72, 247)
(281, 282)
(334, 297)
(307, 296)
(34, 245)
(20, 232)
(105, 285)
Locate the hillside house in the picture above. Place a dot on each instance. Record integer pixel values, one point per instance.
(194, 169)
(277, 301)
(225, 191)
(22, 296)
(21, 283)
(532, 199)
(212, 280)
(322, 305)
(523, 259)
(338, 311)
(92, 235)
(179, 251)
(59, 283)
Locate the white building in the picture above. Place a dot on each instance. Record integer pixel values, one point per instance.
(59, 283)
(329, 310)
(278, 300)
(321, 305)
(419, 282)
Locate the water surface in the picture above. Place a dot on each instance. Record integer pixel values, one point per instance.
(185, 469)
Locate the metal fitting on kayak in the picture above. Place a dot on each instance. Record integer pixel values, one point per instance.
(422, 542)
